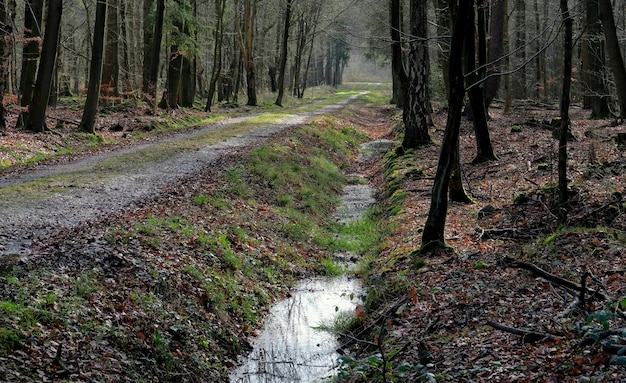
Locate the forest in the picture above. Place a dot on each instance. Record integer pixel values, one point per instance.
(495, 250)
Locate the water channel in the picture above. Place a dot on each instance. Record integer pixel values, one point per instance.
(289, 348)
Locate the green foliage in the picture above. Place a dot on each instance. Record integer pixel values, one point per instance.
(9, 340)
(330, 268)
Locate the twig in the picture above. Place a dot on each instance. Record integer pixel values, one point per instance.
(552, 278)
(529, 336)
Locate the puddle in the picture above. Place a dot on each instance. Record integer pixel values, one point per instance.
(289, 348)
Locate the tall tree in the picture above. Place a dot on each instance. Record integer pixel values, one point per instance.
(564, 110)
(7, 15)
(614, 52)
(37, 108)
(247, 49)
(520, 46)
(596, 95)
(33, 13)
(416, 110)
(87, 123)
(111, 64)
(475, 78)
(283, 54)
(496, 50)
(152, 53)
(398, 72)
(433, 234)
(218, 33)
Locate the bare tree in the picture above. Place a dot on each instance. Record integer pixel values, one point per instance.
(433, 234)
(37, 108)
(564, 110)
(87, 123)
(615, 54)
(7, 15)
(283, 54)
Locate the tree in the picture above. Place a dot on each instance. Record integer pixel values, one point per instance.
(415, 112)
(283, 54)
(614, 52)
(152, 51)
(111, 64)
(95, 69)
(398, 72)
(37, 108)
(476, 78)
(33, 13)
(564, 111)
(496, 50)
(220, 6)
(247, 48)
(7, 15)
(593, 57)
(433, 234)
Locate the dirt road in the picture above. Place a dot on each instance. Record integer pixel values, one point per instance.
(42, 201)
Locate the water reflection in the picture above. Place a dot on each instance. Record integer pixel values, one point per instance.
(289, 349)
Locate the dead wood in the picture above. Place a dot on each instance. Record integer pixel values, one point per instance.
(592, 294)
(527, 335)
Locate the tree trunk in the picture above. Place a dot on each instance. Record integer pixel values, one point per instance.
(249, 20)
(399, 75)
(111, 65)
(520, 45)
(87, 123)
(148, 36)
(150, 81)
(33, 14)
(484, 148)
(415, 113)
(508, 98)
(615, 55)
(496, 51)
(565, 102)
(7, 16)
(444, 28)
(37, 107)
(433, 234)
(283, 55)
(593, 59)
(220, 6)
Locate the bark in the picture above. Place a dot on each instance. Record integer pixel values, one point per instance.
(37, 108)
(444, 28)
(149, 25)
(249, 20)
(496, 50)
(520, 44)
(596, 95)
(33, 14)
(614, 52)
(7, 16)
(484, 148)
(415, 112)
(220, 6)
(433, 234)
(87, 123)
(565, 102)
(283, 55)
(111, 65)
(155, 54)
(399, 75)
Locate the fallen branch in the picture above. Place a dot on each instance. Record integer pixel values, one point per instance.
(527, 335)
(553, 278)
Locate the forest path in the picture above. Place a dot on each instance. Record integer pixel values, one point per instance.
(42, 201)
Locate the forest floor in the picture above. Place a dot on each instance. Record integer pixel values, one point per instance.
(439, 311)
(170, 287)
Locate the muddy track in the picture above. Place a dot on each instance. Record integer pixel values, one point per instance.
(71, 193)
